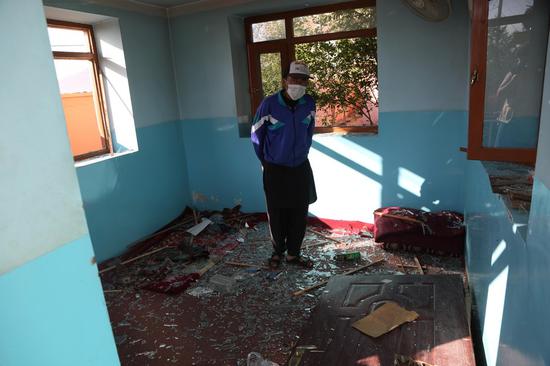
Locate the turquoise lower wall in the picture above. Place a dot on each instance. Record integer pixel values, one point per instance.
(130, 196)
(507, 274)
(413, 161)
(538, 257)
(53, 312)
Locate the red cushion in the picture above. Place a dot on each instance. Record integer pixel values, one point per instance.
(441, 231)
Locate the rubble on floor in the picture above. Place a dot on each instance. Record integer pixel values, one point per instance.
(512, 181)
(209, 299)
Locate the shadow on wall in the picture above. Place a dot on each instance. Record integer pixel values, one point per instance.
(414, 162)
(507, 327)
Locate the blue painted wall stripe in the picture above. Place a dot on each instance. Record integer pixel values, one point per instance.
(53, 312)
(128, 197)
(508, 274)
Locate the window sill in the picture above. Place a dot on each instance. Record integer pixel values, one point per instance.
(514, 184)
(100, 158)
(355, 130)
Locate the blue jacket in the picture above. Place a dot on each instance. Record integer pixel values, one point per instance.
(282, 134)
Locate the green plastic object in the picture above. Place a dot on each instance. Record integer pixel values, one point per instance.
(348, 256)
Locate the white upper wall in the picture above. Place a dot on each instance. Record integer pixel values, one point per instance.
(41, 206)
(423, 66)
(147, 54)
(112, 65)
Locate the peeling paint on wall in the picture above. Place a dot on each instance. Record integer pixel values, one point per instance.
(199, 197)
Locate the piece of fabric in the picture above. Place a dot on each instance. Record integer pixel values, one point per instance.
(282, 134)
(173, 285)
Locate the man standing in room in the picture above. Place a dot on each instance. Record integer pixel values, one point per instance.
(282, 133)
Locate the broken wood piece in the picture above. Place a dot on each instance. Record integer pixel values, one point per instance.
(384, 319)
(425, 227)
(134, 259)
(404, 218)
(412, 266)
(401, 265)
(315, 245)
(322, 283)
(248, 265)
(418, 265)
(198, 228)
(144, 255)
(206, 268)
(238, 217)
(324, 236)
(400, 360)
(107, 269)
(195, 217)
(299, 352)
(132, 246)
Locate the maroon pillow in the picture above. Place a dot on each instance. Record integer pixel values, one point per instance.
(412, 229)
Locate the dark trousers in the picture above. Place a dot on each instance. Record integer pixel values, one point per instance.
(287, 227)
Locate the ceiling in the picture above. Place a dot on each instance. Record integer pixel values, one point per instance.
(169, 3)
(172, 8)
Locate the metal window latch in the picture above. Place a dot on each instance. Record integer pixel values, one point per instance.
(473, 78)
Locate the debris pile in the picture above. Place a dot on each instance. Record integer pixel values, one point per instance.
(209, 298)
(513, 181)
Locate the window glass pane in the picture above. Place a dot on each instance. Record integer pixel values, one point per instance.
(337, 21)
(345, 81)
(506, 8)
(268, 31)
(516, 53)
(81, 106)
(270, 66)
(68, 40)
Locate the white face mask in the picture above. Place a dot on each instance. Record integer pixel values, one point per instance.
(295, 91)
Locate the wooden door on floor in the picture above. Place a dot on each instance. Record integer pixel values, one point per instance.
(440, 336)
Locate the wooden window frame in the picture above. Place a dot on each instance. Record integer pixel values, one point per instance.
(98, 82)
(287, 47)
(478, 69)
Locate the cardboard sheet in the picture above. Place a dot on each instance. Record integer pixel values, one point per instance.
(384, 319)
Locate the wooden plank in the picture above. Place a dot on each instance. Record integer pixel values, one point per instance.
(440, 336)
(247, 265)
(418, 265)
(135, 258)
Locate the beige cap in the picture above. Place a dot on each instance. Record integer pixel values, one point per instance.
(299, 68)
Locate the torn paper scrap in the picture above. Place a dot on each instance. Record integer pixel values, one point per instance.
(384, 319)
(195, 230)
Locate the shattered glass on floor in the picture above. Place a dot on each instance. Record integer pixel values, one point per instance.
(232, 310)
